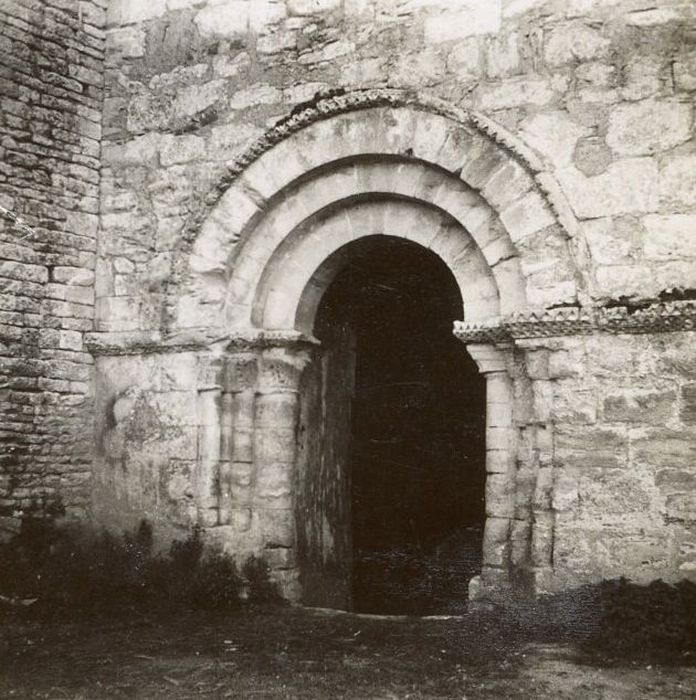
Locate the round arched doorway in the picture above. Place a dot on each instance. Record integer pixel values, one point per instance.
(394, 460)
(256, 269)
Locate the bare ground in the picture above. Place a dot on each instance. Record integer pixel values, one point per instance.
(295, 653)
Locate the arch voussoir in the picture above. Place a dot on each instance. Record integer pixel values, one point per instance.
(371, 146)
(280, 293)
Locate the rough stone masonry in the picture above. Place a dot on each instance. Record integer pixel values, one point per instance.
(179, 179)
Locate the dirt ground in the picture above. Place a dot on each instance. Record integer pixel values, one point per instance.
(295, 653)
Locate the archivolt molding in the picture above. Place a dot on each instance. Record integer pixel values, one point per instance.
(333, 105)
(572, 321)
(289, 293)
(513, 181)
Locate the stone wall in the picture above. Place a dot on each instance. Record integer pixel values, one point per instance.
(622, 480)
(597, 95)
(603, 91)
(51, 53)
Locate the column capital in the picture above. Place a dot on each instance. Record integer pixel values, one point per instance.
(280, 368)
(489, 358)
(240, 371)
(210, 372)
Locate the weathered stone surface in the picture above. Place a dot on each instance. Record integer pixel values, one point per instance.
(596, 73)
(613, 241)
(255, 95)
(641, 77)
(503, 55)
(653, 16)
(670, 237)
(684, 70)
(514, 93)
(663, 451)
(588, 447)
(592, 156)
(572, 404)
(465, 58)
(688, 409)
(466, 18)
(626, 186)
(627, 280)
(640, 406)
(128, 41)
(554, 135)
(678, 180)
(181, 149)
(649, 126)
(330, 51)
(311, 7)
(572, 42)
(606, 494)
(229, 19)
(644, 552)
(122, 12)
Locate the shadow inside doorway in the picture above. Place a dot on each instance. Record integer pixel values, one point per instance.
(417, 456)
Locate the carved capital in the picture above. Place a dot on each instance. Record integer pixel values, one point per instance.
(488, 358)
(210, 372)
(241, 370)
(280, 369)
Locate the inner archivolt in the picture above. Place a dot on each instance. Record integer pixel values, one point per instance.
(417, 426)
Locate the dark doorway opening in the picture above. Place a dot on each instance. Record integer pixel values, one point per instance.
(417, 452)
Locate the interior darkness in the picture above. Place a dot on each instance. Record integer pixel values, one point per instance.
(418, 430)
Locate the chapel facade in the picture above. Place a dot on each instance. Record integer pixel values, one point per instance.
(197, 196)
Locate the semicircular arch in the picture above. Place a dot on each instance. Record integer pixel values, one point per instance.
(300, 270)
(400, 149)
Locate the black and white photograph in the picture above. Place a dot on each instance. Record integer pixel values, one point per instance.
(348, 349)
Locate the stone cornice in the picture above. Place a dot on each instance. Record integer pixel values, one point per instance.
(153, 343)
(546, 323)
(569, 321)
(104, 343)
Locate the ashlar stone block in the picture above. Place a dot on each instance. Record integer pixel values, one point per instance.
(554, 135)
(670, 237)
(572, 42)
(678, 180)
(462, 19)
(640, 406)
(649, 126)
(122, 12)
(229, 19)
(515, 93)
(626, 186)
(586, 447)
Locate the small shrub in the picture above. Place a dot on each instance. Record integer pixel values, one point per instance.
(658, 616)
(68, 570)
(216, 583)
(619, 618)
(260, 588)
